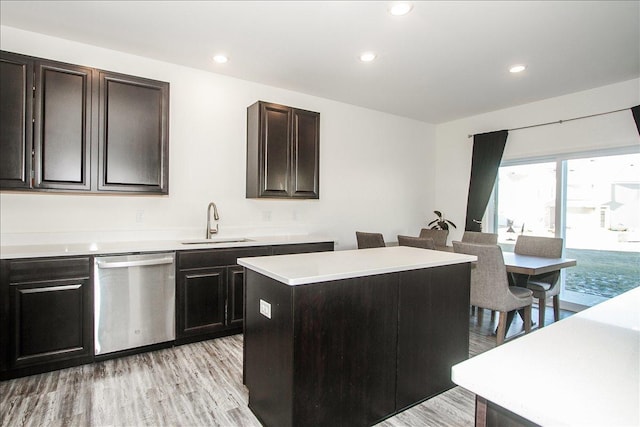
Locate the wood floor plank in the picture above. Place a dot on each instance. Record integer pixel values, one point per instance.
(198, 384)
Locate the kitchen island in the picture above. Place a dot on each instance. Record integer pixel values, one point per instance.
(352, 337)
(580, 371)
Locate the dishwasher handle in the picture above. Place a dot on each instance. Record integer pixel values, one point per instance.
(135, 263)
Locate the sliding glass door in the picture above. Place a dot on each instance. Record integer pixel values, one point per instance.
(602, 227)
(593, 202)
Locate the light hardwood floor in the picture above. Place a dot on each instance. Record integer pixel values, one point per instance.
(192, 385)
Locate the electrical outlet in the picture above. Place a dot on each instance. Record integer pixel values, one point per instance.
(265, 309)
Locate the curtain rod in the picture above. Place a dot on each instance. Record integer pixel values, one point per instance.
(562, 121)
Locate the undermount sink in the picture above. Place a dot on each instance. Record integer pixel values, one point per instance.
(215, 240)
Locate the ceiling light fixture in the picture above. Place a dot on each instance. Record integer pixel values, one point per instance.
(400, 8)
(517, 69)
(221, 59)
(367, 56)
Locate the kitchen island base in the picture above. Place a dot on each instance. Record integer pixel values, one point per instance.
(489, 414)
(353, 351)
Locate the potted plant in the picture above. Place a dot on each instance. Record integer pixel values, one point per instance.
(440, 223)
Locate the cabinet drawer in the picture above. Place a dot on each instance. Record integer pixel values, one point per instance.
(33, 270)
(218, 257)
(302, 248)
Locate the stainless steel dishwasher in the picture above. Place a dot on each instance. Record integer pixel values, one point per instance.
(134, 298)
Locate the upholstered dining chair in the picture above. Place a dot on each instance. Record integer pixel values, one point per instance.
(480, 238)
(369, 240)
(490, 286)
(543, 285)
(416, 242)
(439, 236)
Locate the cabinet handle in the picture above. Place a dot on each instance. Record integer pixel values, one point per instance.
(123, 264)
(50, 289)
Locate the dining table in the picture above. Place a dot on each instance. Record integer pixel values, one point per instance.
(521, 267)
(527, 265)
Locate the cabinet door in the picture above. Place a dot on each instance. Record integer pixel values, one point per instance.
(235, 296)
(16, 103)
(275, 148)
(133, 134)
(201, 301)
(62, 127)
(305, 154)
(49, 322)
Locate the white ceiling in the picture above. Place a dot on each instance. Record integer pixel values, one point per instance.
(442, 61)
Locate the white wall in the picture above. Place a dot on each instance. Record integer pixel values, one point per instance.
(454, 148)
(376, 170)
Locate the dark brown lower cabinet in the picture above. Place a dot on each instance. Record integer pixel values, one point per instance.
(353, 352)
(47, 319)
(202, 301)
(209, 289)
(46, 304)
(235, 295)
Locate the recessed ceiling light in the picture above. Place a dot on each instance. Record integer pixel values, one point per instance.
(221, 59)
(367, 56)
(517, 69)
(400, 8)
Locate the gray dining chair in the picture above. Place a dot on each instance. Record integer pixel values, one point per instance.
(480, 238)
(439, 236)
(490, 286)
(416, 242)
(369, 240)
(545, 285)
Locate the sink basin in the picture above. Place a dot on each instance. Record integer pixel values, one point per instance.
(215, 240)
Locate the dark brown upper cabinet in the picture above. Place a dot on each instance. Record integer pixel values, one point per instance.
(283, 145)
(46, 124)
(62, 126)
(72, 128)
(16, 130)
(134, 134)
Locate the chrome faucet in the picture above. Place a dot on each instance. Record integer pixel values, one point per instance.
(210, 230)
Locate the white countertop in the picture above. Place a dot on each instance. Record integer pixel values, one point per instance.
(301, 269)
(580, 371)
(102, 248)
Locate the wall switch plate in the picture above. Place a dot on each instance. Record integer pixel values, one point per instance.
(265, 309)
